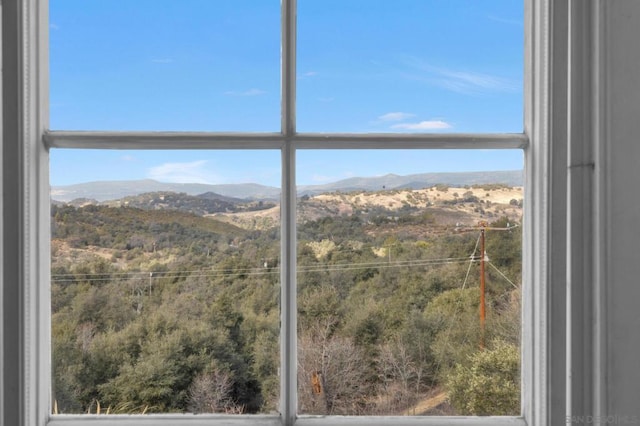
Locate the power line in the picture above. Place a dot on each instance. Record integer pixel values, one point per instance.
(473, 255)
(61, 278)
(257, 271)
(240, 270)
(503, 275)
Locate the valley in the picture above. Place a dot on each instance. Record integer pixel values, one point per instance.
(168, 302)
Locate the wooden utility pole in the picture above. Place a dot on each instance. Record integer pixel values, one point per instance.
(482, 283)
(483, 313)
(483, 226)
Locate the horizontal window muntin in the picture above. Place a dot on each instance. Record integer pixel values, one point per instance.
(207, 140)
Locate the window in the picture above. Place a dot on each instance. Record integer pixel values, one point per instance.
(292, 146)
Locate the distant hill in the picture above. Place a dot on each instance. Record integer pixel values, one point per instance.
(116, 190)
(200, 205)
(417, 181)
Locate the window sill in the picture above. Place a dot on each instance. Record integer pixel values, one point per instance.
(222, 420)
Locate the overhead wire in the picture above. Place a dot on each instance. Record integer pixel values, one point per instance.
(471, 262)
(259, 271)
(503, 275)
(103, 277)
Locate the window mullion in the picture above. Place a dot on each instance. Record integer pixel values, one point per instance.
(288, 64)
(288, 300)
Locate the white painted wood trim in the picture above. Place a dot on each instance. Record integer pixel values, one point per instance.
(37, 238)
(411, 141)
(25, 323)
(162, 140)
(537, 341)
(528, 231)
(409, 421)
(165, 420)
(602, 202)
(288, 299)
(557, 116)
(2, 216)
(288, 66)
(202, 140)
(582, 255)
(191, 420)
(288, 237)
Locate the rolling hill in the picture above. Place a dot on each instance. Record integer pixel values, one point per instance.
(115, 190)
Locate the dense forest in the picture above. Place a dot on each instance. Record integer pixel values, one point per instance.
(158, 310)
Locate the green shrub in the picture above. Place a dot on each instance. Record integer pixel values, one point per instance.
(489, 384)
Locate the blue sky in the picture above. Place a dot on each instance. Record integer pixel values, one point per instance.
(213, 65)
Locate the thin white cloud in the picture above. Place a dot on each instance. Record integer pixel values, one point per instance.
(395, 116)
(128, 158)
(423, 125)
(250, 92)
(473, 82)
(53, 26)
(306, 75)
(459, 81)
(191, 172)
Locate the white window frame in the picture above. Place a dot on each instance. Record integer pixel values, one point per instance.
(25, 295)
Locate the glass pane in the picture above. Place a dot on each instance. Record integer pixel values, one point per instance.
(194, 65)
(410, 66)
(390, 272)
(165, 281)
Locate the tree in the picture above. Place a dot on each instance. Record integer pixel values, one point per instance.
(488, 384)
(210, 392)
(332, 370)
(453, 317)
(332, 376)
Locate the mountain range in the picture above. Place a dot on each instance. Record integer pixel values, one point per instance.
(115, 190)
